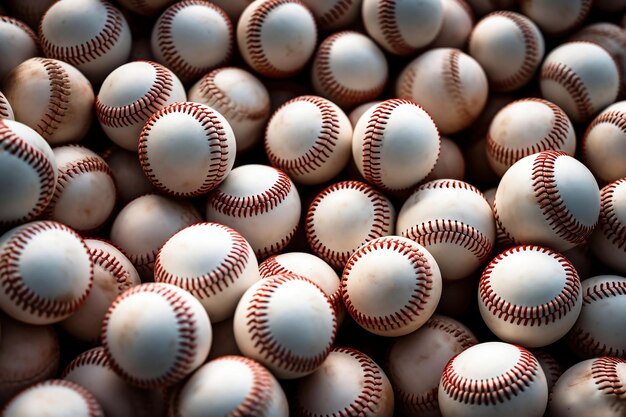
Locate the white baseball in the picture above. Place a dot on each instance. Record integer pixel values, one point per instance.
(46, 272)
(130, 180)
(458, 21)
(343, 217)
(156, 334)
(598, 331)
(603, 146)
(556, 17)
(416, 361)
(17, 44)
(402, 26)
(211, 261)
(529, 295)
(391, 286)
(509, 47)
(238, 96)
(85, 193)
(309, 138)
(145, 7)
(493, 379)
(186, 149)
(608, 242)
(92, 370)
(192, 37)
(145, 224)
(450, 163)
(333, 14)
(453, 221)
(130, 95)
(29, 171)
(359, 110)
(349, 69)
(261, 203)
(54, 398)
(449, 84)
(581, 78)
(287, 323)
(549, 199)
(594, 387)
(6, 112)
(52, 97)
(276, 37)
(92, 35)
(113, 274)
(28, 354)
(231, 386)
(348, 383)
(525, 127)
(311, 267)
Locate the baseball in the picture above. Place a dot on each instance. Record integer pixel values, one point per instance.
(402, 26)
(608, 242)
(581, 78)
(453, 221)
(457, 24)
(450, 163)
(6, 112)
(192, 37)
(391, 286)
(130, 95)
(287, 323)
(598, 331)
(415, 362)
(55, 397)
(360, 110)
(449, 84)
(113, 274)
(52, 97)
(212, 262)
(349, 69)
(549, 199)
(556, 17)
(344, 216)
(28, 168)
(529, 295)
(594, 387)
(348, 383)
(525, 127)
(261, 203)
(509, 47)
(186, 149)
(46, 272)
(130, 180)
(387, 141)
(493, 379)
(231, 386)
(276, 37)
(17, 44)
(333, 14)
(550, 366)
(238, 96)
(156, 334)
(145, 224)
(91, 35)
(309, 138)
(85, 193)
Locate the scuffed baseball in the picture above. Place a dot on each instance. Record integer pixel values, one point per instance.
(333, 14)
(556, 17)
(608, 242)
(458, 21)
(17, 44)
(603, 146)
(130, 180)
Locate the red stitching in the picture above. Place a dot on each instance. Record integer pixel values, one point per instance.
(5, 107)
(549, 200)
(187, 332)
(216, 169)
(59, 101)
(14, 287)
(337, 11)
(612, 229)
(382, 220)
(615, 118)
(405, 82)
(454, 84)
(23, 26)
(573, 84)
(91, 49)
(371, 393)
(258, 326)
(111, 264)
(141, 109)
(259, 60)
(217, 280)
(491, 391)
(554, 369)
(419, 297)
(323, 147)
(96, 356)
(606, 377)
(537, 315)
(389, 28)
(14, 145)
(329, 84)
(170, 52)
(553, 140)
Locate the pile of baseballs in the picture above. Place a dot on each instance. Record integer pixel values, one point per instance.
(317, 208)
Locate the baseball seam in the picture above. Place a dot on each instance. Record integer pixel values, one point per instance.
(606, 378)
(614, 118)
(4, 107)
(113, 266)
(95, 356)
(554, 369)
(58, 103)
(388, 22)
(610, 225)
(454, 84)
(276, 246)
(572, 83)
(93, 407)
(336, 12)
(23, 26)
